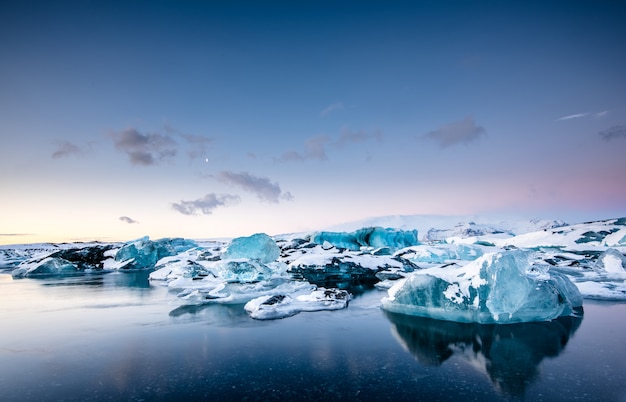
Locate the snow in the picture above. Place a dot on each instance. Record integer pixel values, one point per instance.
(495, 288)
(468, 270)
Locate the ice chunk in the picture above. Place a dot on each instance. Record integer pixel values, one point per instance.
(333, 267)
(144, 253)
(281, 306)
(66, 262)
(496, 288)
(241, 270)
(611, 261)
(256, 247)
(368, 237)
(209, 290)
(46, 266)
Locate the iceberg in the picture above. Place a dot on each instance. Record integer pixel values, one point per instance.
(280, 306)
(259, 247)
(144, 253)
(375, 237)
(611, 262)
(66, 262)
(498, 288)
(333, 267)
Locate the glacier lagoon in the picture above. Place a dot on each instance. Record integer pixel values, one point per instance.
(114, 336)
(350, 315)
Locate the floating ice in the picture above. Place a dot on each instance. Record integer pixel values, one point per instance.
(280, 306)
(368, 237)
(65, 262)
(496, 288)
(144, 253)
(611, 261)
(332, 267)
(256, 247)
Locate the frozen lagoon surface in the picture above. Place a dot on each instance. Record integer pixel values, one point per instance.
(115, 337)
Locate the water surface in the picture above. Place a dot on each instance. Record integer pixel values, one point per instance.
(113, 336)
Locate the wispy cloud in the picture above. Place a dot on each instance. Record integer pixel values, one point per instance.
(596, 115)
(348, 136)
(147, 149)
(573, 116)
(144, 148)
(462, 131)
(334, 107)
(15, 234)
(317, 147)
(127, 220)
(314, 148)
(206, 204)
(66, 149)
(198, 145)
(262, 187)
(613, 133)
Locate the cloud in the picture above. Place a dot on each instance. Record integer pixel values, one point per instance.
(15, 234)
(262, 187)
(601, 114)
(332, 108)
(348, 136)
(127, 220)
(573, 116)
(147, 149)
(66, 149)
(613, 133)
(198, 145)
(144, 149)
(206, 204)
(316, 147)
(596, 115)
(464, 131)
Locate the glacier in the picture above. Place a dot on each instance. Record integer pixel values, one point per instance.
(475, 272)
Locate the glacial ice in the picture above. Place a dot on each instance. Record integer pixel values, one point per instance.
(144, 253)
(276, 306)
(65, 262)
(375, 237)
(458, 278)
(259, 247)
(612, 262)
(496, 288)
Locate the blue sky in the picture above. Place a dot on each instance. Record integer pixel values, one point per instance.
(211, 119)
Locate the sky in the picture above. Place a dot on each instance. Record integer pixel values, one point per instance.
(222, 119)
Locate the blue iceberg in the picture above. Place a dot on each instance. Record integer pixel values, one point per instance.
(497, 288)
(259, 247)
(145, 253)
(368, 237)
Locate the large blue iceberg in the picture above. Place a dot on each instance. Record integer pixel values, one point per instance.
(368, 237)
(497, 288)
(259, 247)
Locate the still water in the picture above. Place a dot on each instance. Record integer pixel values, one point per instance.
(115, 337)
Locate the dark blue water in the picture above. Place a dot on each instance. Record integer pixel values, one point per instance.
(114, 337)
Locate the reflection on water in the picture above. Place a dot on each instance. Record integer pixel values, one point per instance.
(509, 354)
(134, 279)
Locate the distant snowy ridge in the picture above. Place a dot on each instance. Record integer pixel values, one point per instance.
(440, 227)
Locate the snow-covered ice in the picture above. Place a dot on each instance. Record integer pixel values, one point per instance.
(472, 272)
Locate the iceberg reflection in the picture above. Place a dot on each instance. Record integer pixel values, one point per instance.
(509, 354)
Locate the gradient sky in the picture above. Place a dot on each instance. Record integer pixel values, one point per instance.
(219, 119)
